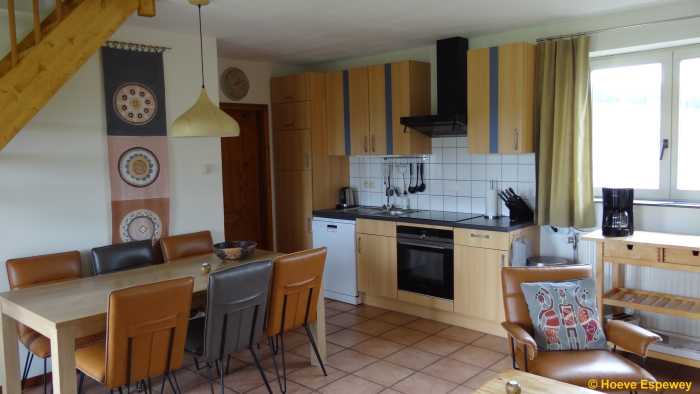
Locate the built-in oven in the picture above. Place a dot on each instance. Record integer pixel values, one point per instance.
(425, 261)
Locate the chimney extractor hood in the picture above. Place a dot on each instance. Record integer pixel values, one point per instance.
(451, 119)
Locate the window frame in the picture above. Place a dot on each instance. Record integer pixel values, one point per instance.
(665, 58)
(679, 54)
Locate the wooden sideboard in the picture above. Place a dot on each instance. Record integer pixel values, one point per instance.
(652, 250)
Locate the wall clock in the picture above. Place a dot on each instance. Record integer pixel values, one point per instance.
(234, 83)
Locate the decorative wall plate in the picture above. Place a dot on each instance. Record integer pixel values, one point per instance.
(138, 167)
(135, 103)
(140, 225)
(234, 83)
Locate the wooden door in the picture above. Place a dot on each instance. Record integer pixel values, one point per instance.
(246, 177)
(478, 290)
(289, 88)
(293, 150)
(358, 94)
(377, 110)
(515, 97)
(376, 265)
(478, 99)
(335, 113)
(294, 208)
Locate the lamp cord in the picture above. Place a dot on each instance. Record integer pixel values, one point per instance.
(201, 42)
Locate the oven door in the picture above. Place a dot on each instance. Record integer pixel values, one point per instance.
(426, 267)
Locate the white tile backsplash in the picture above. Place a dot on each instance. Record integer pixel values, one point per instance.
(455, 180)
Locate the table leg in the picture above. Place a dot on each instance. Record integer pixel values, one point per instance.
(600, 279)
(63, 360)
(9, 361)
(318, 330)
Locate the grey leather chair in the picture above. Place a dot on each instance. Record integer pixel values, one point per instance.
(120, 257)
(235, 317)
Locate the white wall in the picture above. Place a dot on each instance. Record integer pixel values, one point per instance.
(54, 183)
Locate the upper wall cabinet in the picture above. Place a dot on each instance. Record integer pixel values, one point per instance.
(500, 98)
(364, 106)
(290, 88)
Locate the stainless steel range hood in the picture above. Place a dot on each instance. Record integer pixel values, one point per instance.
(451, 119)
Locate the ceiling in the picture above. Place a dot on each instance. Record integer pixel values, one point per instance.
(309, 31)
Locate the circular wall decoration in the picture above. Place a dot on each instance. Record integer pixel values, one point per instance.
(135, 103)
(234, 83)
(138, 167)
(139, 225)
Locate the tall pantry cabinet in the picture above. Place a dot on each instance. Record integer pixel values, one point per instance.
(306, 176)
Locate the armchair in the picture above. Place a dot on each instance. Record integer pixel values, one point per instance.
(575, 367)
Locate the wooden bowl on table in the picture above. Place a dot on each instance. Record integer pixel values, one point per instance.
(235, 250)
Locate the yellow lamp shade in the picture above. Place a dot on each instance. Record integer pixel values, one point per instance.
(205, 119)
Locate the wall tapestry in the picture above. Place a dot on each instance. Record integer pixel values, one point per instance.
(137, 141)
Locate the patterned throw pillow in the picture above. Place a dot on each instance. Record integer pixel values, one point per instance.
(564, 315)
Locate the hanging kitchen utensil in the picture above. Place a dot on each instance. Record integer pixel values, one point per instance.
(411, 189)
(422, 186)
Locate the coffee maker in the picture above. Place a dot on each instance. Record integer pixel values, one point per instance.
(618, 212)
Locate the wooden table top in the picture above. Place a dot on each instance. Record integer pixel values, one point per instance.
(530, 384)
(74, 300)
(650, 238)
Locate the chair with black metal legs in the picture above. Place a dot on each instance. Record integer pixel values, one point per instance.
(146, 332)
(33, 271)
(296, 285)
(235, 317)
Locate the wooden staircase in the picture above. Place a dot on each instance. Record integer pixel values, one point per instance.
(39, 64)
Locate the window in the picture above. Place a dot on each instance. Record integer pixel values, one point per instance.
(646, 123)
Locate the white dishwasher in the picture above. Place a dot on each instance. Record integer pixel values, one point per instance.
(340, 275)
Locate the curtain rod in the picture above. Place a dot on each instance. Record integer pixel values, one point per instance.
(680, 18)
(133, 46)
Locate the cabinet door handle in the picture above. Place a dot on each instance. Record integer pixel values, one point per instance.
(359, 245)
(516, 143)
(308, 224)
(374, 145)
(307, 161)
(484, 236)
(366, 144)
(503, 260)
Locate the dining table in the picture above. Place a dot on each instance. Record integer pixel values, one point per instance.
(77, 308)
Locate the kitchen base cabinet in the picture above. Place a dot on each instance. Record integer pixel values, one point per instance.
(478, 282)
(376, 265)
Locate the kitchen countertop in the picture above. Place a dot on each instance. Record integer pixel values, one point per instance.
(435, 218)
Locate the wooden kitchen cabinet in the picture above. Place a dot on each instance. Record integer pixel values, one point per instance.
(307, 177)
(294, 210)
(376, 76)
(358, 105)
(335, 112)
(291, 116)
(477, 275)
(376, 265)
(293, 150)
(289, 88)
(410, 96)
(500, 98)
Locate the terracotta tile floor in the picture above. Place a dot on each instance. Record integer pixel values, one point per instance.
(371, 350)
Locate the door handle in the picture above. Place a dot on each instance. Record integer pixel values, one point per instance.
(374, 145)
(484, 236)
(359, 245)
(503, 260)
(664, 146)
(516, 143)
(366, 149)
(307, 161)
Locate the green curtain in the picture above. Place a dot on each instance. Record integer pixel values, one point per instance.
(563, 102)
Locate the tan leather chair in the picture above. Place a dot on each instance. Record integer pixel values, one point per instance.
(296, 284)
(37, 270)
(575, 367)
(185, 245)
(146, 332)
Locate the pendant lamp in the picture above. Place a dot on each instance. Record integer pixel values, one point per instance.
(204, 119)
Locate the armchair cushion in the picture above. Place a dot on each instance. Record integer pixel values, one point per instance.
(630, 337)
(564, 315)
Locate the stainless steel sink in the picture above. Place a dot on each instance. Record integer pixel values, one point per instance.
(388, 211)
